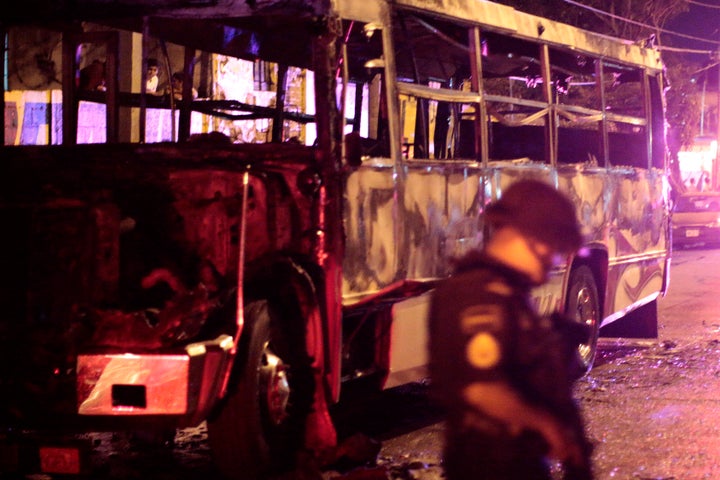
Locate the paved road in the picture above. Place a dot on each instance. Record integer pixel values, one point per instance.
(653, 412)
(691, 310)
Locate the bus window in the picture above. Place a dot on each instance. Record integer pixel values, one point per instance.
(235, 94)
(365, 108)
(516, 100)
(657, 122)
(437, 129)
(625, 96)
(577, 96)
(434, 76)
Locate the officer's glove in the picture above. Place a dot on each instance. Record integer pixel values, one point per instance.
(573, 332)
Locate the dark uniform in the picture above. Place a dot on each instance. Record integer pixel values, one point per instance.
(482, 329)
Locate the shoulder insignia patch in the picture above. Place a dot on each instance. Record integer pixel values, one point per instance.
(483, 351)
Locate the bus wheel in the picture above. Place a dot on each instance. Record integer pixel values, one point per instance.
(583, 305)
(259, 428)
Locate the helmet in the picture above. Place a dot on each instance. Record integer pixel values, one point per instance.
(539, 211)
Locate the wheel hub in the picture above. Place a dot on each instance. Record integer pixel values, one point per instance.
(585, 314)
(275, 378)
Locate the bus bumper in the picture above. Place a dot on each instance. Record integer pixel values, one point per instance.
(184, 384)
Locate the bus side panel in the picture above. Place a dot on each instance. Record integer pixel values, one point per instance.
(637, 240)
(389, 241)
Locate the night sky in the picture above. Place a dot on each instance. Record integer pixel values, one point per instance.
(700, 21)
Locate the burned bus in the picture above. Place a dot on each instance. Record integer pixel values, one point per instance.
(243, 246)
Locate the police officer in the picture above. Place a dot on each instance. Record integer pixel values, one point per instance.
(494, 361)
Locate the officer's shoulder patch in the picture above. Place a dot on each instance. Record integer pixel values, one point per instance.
(483, 350)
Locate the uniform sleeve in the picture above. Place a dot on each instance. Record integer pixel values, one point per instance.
(467, 334)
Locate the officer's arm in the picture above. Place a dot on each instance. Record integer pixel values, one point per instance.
(498, 400)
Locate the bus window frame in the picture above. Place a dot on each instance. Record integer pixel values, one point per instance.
(552, 112)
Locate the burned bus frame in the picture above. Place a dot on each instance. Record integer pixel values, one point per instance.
(299, 270)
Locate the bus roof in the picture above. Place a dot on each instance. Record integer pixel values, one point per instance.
(488, 15)
(501, 18)
(31, 11)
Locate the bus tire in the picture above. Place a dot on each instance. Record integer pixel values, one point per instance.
(259, 428)
(583, 305)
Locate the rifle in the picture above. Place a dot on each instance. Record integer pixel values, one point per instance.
(549, 383)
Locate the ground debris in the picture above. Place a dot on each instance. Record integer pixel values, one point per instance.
(365, 473)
